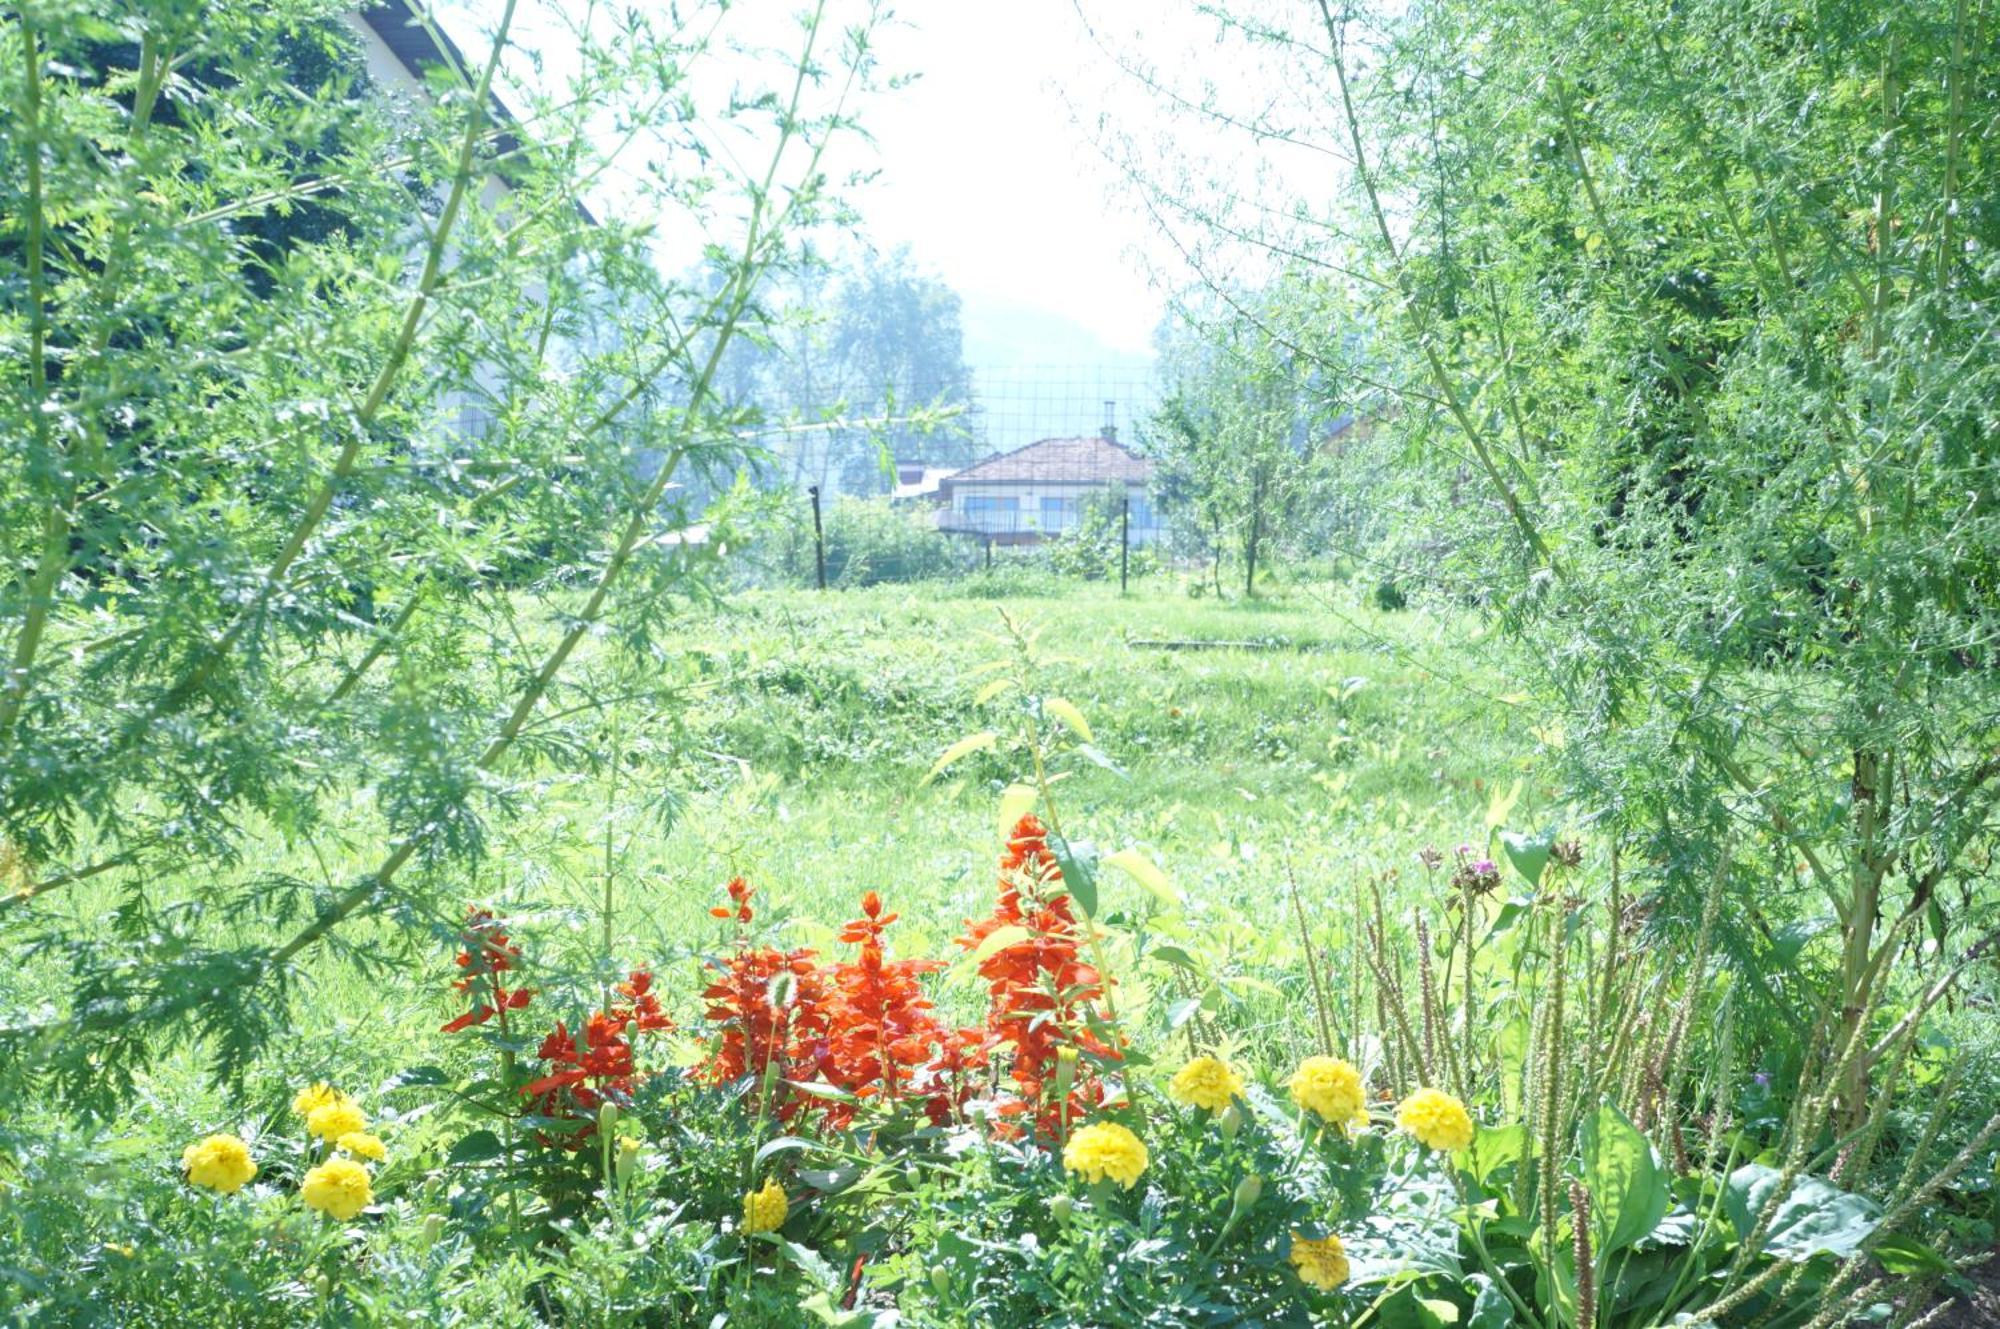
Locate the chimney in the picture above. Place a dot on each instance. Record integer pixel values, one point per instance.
(1110, 431)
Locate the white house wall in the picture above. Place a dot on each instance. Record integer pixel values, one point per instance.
(469, 412)
(1028, 496)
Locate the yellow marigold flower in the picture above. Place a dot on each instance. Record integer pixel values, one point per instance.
(764, 1211)
(220, 1162)
(338, 1188)
(330, 1121)
(362, 1145)
(1205, 1082)
(1105, 1149)
(1329, 1087)
(1321, 1262)
(1438, 1120)
(317, 1096)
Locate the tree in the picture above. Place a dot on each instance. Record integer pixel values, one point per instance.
(1702, 301)
(852, 368)
(305, 569)
(895, 339)
(1238, 437)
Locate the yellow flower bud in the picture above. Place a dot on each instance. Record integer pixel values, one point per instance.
(628, 1158)
(1248, 1192)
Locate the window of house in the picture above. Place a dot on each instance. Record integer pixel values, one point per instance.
(1056, 513)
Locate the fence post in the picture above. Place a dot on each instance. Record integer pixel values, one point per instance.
(819, 538)
(989, 553)
(1124, 540)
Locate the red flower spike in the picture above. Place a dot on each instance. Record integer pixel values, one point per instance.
(882, 1036)
(1041, 996)
(488, 954)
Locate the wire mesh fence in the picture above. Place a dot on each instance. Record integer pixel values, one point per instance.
(1039, 466)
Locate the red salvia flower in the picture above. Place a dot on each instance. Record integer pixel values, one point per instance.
(881, 1035)
(488, 954)
(1041, 996)
(770, 1009)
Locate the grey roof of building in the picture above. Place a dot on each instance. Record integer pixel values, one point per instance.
(1060, 460)
(418, 44)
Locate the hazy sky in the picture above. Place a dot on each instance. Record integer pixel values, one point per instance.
(987, 166)
(991, 167)
(990, 179)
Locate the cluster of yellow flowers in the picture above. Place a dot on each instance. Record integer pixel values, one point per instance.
(1330, 1089)
(1436, 1119)
(1207, 1083)
(220, 1163)
(339, 1186)
(1327, 1087)
(1320, 1261)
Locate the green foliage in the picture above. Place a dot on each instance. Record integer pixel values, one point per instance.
(867, 542)
(252, 543)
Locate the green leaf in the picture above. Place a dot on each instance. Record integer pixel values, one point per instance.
(419, 1075)
(1069, 715)
(1629, 1194)
(1176, 956)
(1016, 802)
(1078, 879)
(971, 743)
(1147, 873)
(1490, 1307)
(478, 1147)
(1816, 1218)
(1493, 1147)
(1906, 1256)
(782, 1144)
(1502, 804)
(992, 688)
(1529, 853)
(999, 939)
(812, 1264)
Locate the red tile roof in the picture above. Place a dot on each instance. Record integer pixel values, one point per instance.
(1071, 460)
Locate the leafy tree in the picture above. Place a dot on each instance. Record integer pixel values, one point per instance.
(302, 567)
(1698, 302)
(1238, 439)
(855, 367)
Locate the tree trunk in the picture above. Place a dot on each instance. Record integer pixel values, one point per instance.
(1250, 540)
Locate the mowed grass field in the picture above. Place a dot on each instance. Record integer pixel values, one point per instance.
(787, 737)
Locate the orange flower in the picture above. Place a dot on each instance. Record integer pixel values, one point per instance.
(881, 1035)
(1040, 997)
(770, 1005)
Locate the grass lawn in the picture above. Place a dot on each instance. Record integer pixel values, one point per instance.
(794, 751)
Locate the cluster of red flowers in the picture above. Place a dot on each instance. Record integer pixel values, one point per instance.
(769, 1005)
(862, 1026)
(1042, 998)
(582, 1072)
(487, 955)
(586, 1072)
(881, 1035)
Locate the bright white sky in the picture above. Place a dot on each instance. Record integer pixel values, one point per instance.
(991, 180)
(989, 162)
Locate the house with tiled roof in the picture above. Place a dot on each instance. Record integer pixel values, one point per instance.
(1041, 491)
